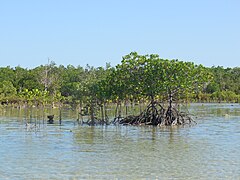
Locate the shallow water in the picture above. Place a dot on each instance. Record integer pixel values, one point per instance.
(208, 150)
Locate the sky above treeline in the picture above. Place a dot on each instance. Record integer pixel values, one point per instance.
(94, 32)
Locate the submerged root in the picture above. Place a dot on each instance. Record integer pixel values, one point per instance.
(94, 122)
(156, 115)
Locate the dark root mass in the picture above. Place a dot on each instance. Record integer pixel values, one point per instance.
(155, 114)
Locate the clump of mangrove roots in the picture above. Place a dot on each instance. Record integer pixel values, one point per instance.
(155, 114)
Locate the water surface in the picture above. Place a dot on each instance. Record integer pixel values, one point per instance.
(209, 150)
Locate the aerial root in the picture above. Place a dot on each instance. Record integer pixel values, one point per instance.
(155, 115)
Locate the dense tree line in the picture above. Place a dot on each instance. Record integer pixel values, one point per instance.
(137, 78)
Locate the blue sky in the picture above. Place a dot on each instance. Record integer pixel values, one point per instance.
(94, 32)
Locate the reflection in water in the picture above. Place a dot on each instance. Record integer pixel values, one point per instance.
(209, 150)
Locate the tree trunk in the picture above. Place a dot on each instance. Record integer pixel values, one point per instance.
(170, 105)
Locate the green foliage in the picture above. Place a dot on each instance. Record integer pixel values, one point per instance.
(227, 79)
(150, 76)
(35, 96)
(7, 91)
(137, 77)
(212, 87)
(6, 74)
(225, 96)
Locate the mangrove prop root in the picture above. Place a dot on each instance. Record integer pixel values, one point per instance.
(155, 115)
